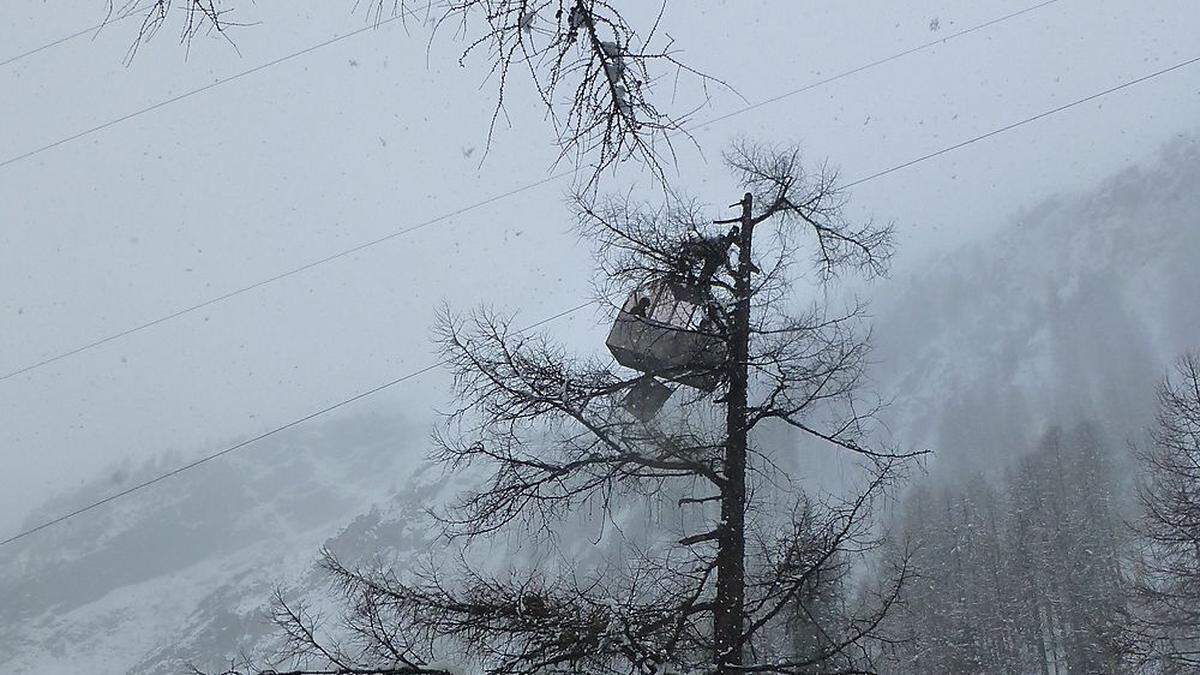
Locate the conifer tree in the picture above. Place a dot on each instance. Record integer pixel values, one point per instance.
(1168, 620)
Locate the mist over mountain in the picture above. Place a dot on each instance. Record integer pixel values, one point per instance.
(184, 572)
(1071, 312)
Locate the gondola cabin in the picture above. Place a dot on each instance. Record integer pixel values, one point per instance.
(646, 397)
(658, 333)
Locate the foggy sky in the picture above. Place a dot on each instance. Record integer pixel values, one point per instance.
(373, 134)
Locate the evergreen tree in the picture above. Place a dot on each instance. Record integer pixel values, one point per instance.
(1026, 579)
(1169, 583)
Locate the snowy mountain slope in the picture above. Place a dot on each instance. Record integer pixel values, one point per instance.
(187, 569)
(230, 619)
(1074, 310)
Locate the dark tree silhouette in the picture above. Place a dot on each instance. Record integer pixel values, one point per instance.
(594, 72)
(1169, 571)
(751, 579)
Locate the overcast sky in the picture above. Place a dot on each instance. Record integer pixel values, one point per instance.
(373, 134)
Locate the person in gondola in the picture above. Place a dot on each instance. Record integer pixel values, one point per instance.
(712, 318)
(641, 307)
(711, 253)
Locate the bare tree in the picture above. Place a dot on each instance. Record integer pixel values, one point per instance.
(595, 74)
(557, 435)
(1169, 572)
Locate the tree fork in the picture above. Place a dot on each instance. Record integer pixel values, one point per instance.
(731, 545)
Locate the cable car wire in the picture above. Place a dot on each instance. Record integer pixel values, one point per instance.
(404, 231)
(408, 376)
(880, 62)
(400, 14)
(72, 36)
(1027, 120)
(282, 275)
(199, 90)
(250, 441)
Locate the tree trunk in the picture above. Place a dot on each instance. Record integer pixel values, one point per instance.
(731, 552)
